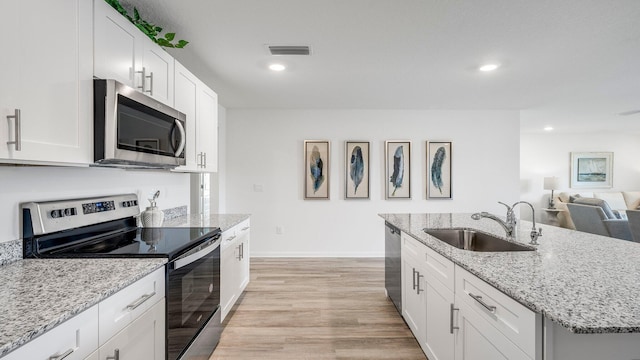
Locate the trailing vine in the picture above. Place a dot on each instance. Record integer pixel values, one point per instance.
(151, 30)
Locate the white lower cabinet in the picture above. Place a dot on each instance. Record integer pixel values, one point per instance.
(440, 331)
(414, 307)
(477, 339)
(131, 321)
(143, 339)
(455, 315)
(234, 265)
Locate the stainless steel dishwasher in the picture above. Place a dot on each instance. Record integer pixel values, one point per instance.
(393, 265)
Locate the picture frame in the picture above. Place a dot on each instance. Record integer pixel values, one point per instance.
(591, 170)
(439, 160)
(316, 169)
(397, 169)
(357, 184)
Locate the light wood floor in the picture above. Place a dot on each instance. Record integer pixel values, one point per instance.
(302, 308)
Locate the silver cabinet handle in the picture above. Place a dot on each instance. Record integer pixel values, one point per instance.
(239, 252)
(183, 137)
(18, 130)
(414, 278)
(245, 228)
(204, 162)
(478, 298)
(143, 78)
(418, 290)
(451, 327)
(63, 355)
(116, 355)
(231, 238)
(150, 77)
(140, 301)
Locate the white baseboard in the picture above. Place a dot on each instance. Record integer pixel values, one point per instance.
(277, 254)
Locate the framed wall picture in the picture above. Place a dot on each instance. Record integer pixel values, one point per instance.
(316, 169)
(357, 170)
(591, 170)
(439, 170)
(398, 169)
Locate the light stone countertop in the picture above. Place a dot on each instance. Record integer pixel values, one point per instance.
(223, 221)
(586, 283)
(38, 294)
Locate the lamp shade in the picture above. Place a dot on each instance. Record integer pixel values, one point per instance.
(551, 183)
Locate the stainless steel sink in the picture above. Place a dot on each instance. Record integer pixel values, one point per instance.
(475, 240)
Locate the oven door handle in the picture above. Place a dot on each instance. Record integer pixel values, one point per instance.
(182, 262)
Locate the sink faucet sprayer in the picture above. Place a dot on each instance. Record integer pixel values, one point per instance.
(509, 225)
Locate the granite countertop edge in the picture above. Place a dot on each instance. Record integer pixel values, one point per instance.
(458, 257)
(223, 221)
(11, 341)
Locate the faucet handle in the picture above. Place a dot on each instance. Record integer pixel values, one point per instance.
(509, 208)
(535, 235)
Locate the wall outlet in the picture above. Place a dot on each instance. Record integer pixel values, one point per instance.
(279, 230)
(257, 187)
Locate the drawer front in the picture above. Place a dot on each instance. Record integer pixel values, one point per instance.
(440, 268)
(77, 337)
(412, 247)
(511, 318)
(243, 228)
(120, 309)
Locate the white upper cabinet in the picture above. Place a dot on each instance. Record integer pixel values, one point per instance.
(196, 100)
(46, 93)
(124, 53)
(207, 130)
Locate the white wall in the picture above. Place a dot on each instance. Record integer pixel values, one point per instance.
(21, 184)
(264, 148)
(548, 154)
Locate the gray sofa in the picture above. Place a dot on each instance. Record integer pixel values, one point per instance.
(596, 217)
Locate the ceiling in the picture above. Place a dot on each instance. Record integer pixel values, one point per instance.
(572, 64)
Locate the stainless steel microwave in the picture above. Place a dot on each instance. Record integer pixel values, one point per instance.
(132, 129)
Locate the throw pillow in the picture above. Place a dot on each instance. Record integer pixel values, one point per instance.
(573, 198)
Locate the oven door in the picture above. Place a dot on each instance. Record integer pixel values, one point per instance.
(193, 296)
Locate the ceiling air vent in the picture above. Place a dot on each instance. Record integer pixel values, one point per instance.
(289, 50)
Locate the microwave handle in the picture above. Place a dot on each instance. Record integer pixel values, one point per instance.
(183, 138)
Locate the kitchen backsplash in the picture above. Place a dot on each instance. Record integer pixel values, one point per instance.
(175, 212)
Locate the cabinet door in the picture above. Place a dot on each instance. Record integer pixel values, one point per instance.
(207, 130)
(10, 68)
(117, 49)
(414, 299)
(185, 94)
(228, 271)
(143, 339)
(54, 83)
(244, 235)
(439, 323)
(477, 339)
(158, 70)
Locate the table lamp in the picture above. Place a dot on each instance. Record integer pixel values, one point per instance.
(551, 183)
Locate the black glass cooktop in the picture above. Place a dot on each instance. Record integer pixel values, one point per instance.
(136, 242)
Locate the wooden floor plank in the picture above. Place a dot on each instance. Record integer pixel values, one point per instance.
(308, 308)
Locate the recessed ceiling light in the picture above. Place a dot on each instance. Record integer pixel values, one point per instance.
(488, 67)
(277, 67)
(548, 128)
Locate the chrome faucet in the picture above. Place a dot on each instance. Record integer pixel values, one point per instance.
(509, 225)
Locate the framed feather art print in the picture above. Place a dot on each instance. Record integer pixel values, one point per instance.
(439, 170)
(357, 170)
(398, 169)
(316, 169)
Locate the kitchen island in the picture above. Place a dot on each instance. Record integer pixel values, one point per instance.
(585, 287)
